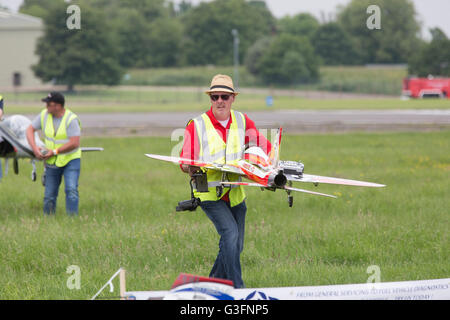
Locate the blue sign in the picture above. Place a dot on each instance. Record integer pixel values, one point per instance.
(269, 101)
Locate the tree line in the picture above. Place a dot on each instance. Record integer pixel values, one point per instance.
(117, 35)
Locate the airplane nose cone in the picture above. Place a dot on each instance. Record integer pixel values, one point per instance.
(280, 180)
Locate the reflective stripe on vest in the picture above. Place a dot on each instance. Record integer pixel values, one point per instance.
(214, 149)
(54, 140)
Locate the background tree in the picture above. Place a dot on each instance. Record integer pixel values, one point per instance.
(302, 24)
(130, 31)
(288, 60)
(86, 56)
(183, 7)
(255, 53)
(147, 32)
(150, 9)
(162, 45)
(38, 8)
(208, 26)
(433, 58)
(334, 45)
(399, 34)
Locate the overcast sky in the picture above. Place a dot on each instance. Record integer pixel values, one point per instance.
(431, 12)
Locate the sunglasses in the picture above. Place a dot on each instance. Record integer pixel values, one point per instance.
(215, 97)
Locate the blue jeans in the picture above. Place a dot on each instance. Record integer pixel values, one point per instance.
(230, 224)
(53, 177)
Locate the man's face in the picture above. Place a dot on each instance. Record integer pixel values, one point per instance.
(221, 104)
(53, 108)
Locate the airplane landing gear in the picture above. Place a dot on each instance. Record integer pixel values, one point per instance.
(291, 201)
(290, 198)
(16, 166)
(33, 173)
(43, 178)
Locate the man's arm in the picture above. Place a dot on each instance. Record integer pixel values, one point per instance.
(190, 148)
(32, 142)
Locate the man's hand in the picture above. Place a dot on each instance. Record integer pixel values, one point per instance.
(48, 154)
(190, 169)
(38, 154)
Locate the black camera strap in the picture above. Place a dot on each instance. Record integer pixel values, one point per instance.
(191, 184)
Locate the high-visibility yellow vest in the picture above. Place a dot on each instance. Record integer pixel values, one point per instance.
(54, 140)
(214, 149)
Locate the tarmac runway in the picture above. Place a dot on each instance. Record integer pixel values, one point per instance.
(292, 121)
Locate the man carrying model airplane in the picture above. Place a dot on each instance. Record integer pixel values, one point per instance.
(222, 146)
(221, 135)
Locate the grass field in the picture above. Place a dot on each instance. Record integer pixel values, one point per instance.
(149, 101)
(362, 79)
(128, 219)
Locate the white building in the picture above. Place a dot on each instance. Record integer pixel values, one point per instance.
(18, 38)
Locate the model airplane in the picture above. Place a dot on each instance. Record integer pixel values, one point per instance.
(268, 172)
(14, 144)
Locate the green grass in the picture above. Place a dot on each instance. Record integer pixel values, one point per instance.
(376, 80)
(361, 79)
(84, 102)
(128, 219)
(186, 76)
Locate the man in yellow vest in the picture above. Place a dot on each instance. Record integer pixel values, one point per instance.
(220, 135)
(61, 129)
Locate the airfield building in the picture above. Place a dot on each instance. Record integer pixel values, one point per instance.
(18, 38)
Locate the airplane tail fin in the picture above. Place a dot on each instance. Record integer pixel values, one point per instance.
(274, 155)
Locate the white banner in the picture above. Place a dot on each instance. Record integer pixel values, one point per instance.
(438, 289)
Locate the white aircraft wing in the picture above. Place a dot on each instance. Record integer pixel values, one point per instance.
(331, 180)
(248, 184)
(310, 192)
(10, 137)
(90, 149)
(202, 164)
(252, 184)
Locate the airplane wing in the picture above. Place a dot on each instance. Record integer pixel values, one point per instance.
(310, 192)
(251, 184)
(330, 180)
(202, 164)
(90, 149)
(9, 136)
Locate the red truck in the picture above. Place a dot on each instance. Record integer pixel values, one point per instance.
(426, 87)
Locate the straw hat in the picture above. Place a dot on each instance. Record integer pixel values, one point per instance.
(222, 83)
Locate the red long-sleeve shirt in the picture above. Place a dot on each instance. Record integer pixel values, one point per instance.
(191, 147)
